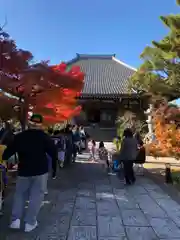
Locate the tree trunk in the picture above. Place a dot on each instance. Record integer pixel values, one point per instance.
(24, 114)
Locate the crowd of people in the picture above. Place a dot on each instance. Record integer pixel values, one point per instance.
(70, 141)
(39, 152)
(131, 151)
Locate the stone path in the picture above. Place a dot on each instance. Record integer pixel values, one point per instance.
(86, 204)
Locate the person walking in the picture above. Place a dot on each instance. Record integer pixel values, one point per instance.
(6, 134)
(76, 142)
(128, 154)
(92, 150)
(103, 156)
(68, 135)
(32, 147)
(141, 156)
(83, 138)
(60, 141)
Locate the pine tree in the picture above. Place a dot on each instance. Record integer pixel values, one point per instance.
(160, 72)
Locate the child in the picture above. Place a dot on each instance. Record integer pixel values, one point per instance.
(92, 149)
(103, 155)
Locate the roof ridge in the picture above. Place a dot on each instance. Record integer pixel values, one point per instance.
(99, 56)
(124, 64)
(102, 56)
(90, 56)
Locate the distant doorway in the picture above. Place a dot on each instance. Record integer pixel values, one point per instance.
(94, 116)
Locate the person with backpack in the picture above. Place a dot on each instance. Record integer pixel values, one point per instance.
(103, 156)
(60, 141)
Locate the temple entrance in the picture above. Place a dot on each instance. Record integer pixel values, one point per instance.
(94, 116)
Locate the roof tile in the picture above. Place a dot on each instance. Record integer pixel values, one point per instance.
(103, 75)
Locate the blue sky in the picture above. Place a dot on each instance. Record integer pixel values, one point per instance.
(56, 30)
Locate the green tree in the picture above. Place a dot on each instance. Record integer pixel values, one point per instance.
(160, 72)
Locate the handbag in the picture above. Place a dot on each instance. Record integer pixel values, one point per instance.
(141, 156)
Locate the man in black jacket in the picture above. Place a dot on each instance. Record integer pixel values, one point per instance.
(32, 146)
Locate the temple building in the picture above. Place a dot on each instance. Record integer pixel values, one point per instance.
(106, 94)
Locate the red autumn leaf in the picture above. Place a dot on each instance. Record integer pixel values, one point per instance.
(43, 87)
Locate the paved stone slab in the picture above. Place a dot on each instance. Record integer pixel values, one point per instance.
(175, 216)
(110, 227)
(67, 195)
(86, 193)
(84, 218)
(103, 181)
(126, 202)
(49, 237)
(150, 207)
(85, 233)
(59, 228)
(96, 206)
(113, 238)
(165, 228)
(168, 205)
(121, 192)
(137, 190)
(158, 194)
(116, 182)
(150, 186)
(63, 208)
(107, 208)
(134, 218)
(85, 203)
(171, 208)
(103, 188)
(141, 233)
(107, 196)
(82, 185)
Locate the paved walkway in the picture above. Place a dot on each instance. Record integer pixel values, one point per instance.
(86, 204)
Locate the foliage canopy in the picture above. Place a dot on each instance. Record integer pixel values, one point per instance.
(41, 88)
(160, 72)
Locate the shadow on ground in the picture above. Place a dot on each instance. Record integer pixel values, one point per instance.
(84, 202)
(81, 175)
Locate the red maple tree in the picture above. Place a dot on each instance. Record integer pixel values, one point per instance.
(40, 88)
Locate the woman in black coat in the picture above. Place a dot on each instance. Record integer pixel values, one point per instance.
(141, 157)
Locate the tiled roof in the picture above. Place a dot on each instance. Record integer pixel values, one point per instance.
(104, 75)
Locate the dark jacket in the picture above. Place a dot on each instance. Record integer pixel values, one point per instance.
(6, 136)
(76, 137)
(129, 149)
(32, 147)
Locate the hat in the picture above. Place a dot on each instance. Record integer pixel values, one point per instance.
(36, 119)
